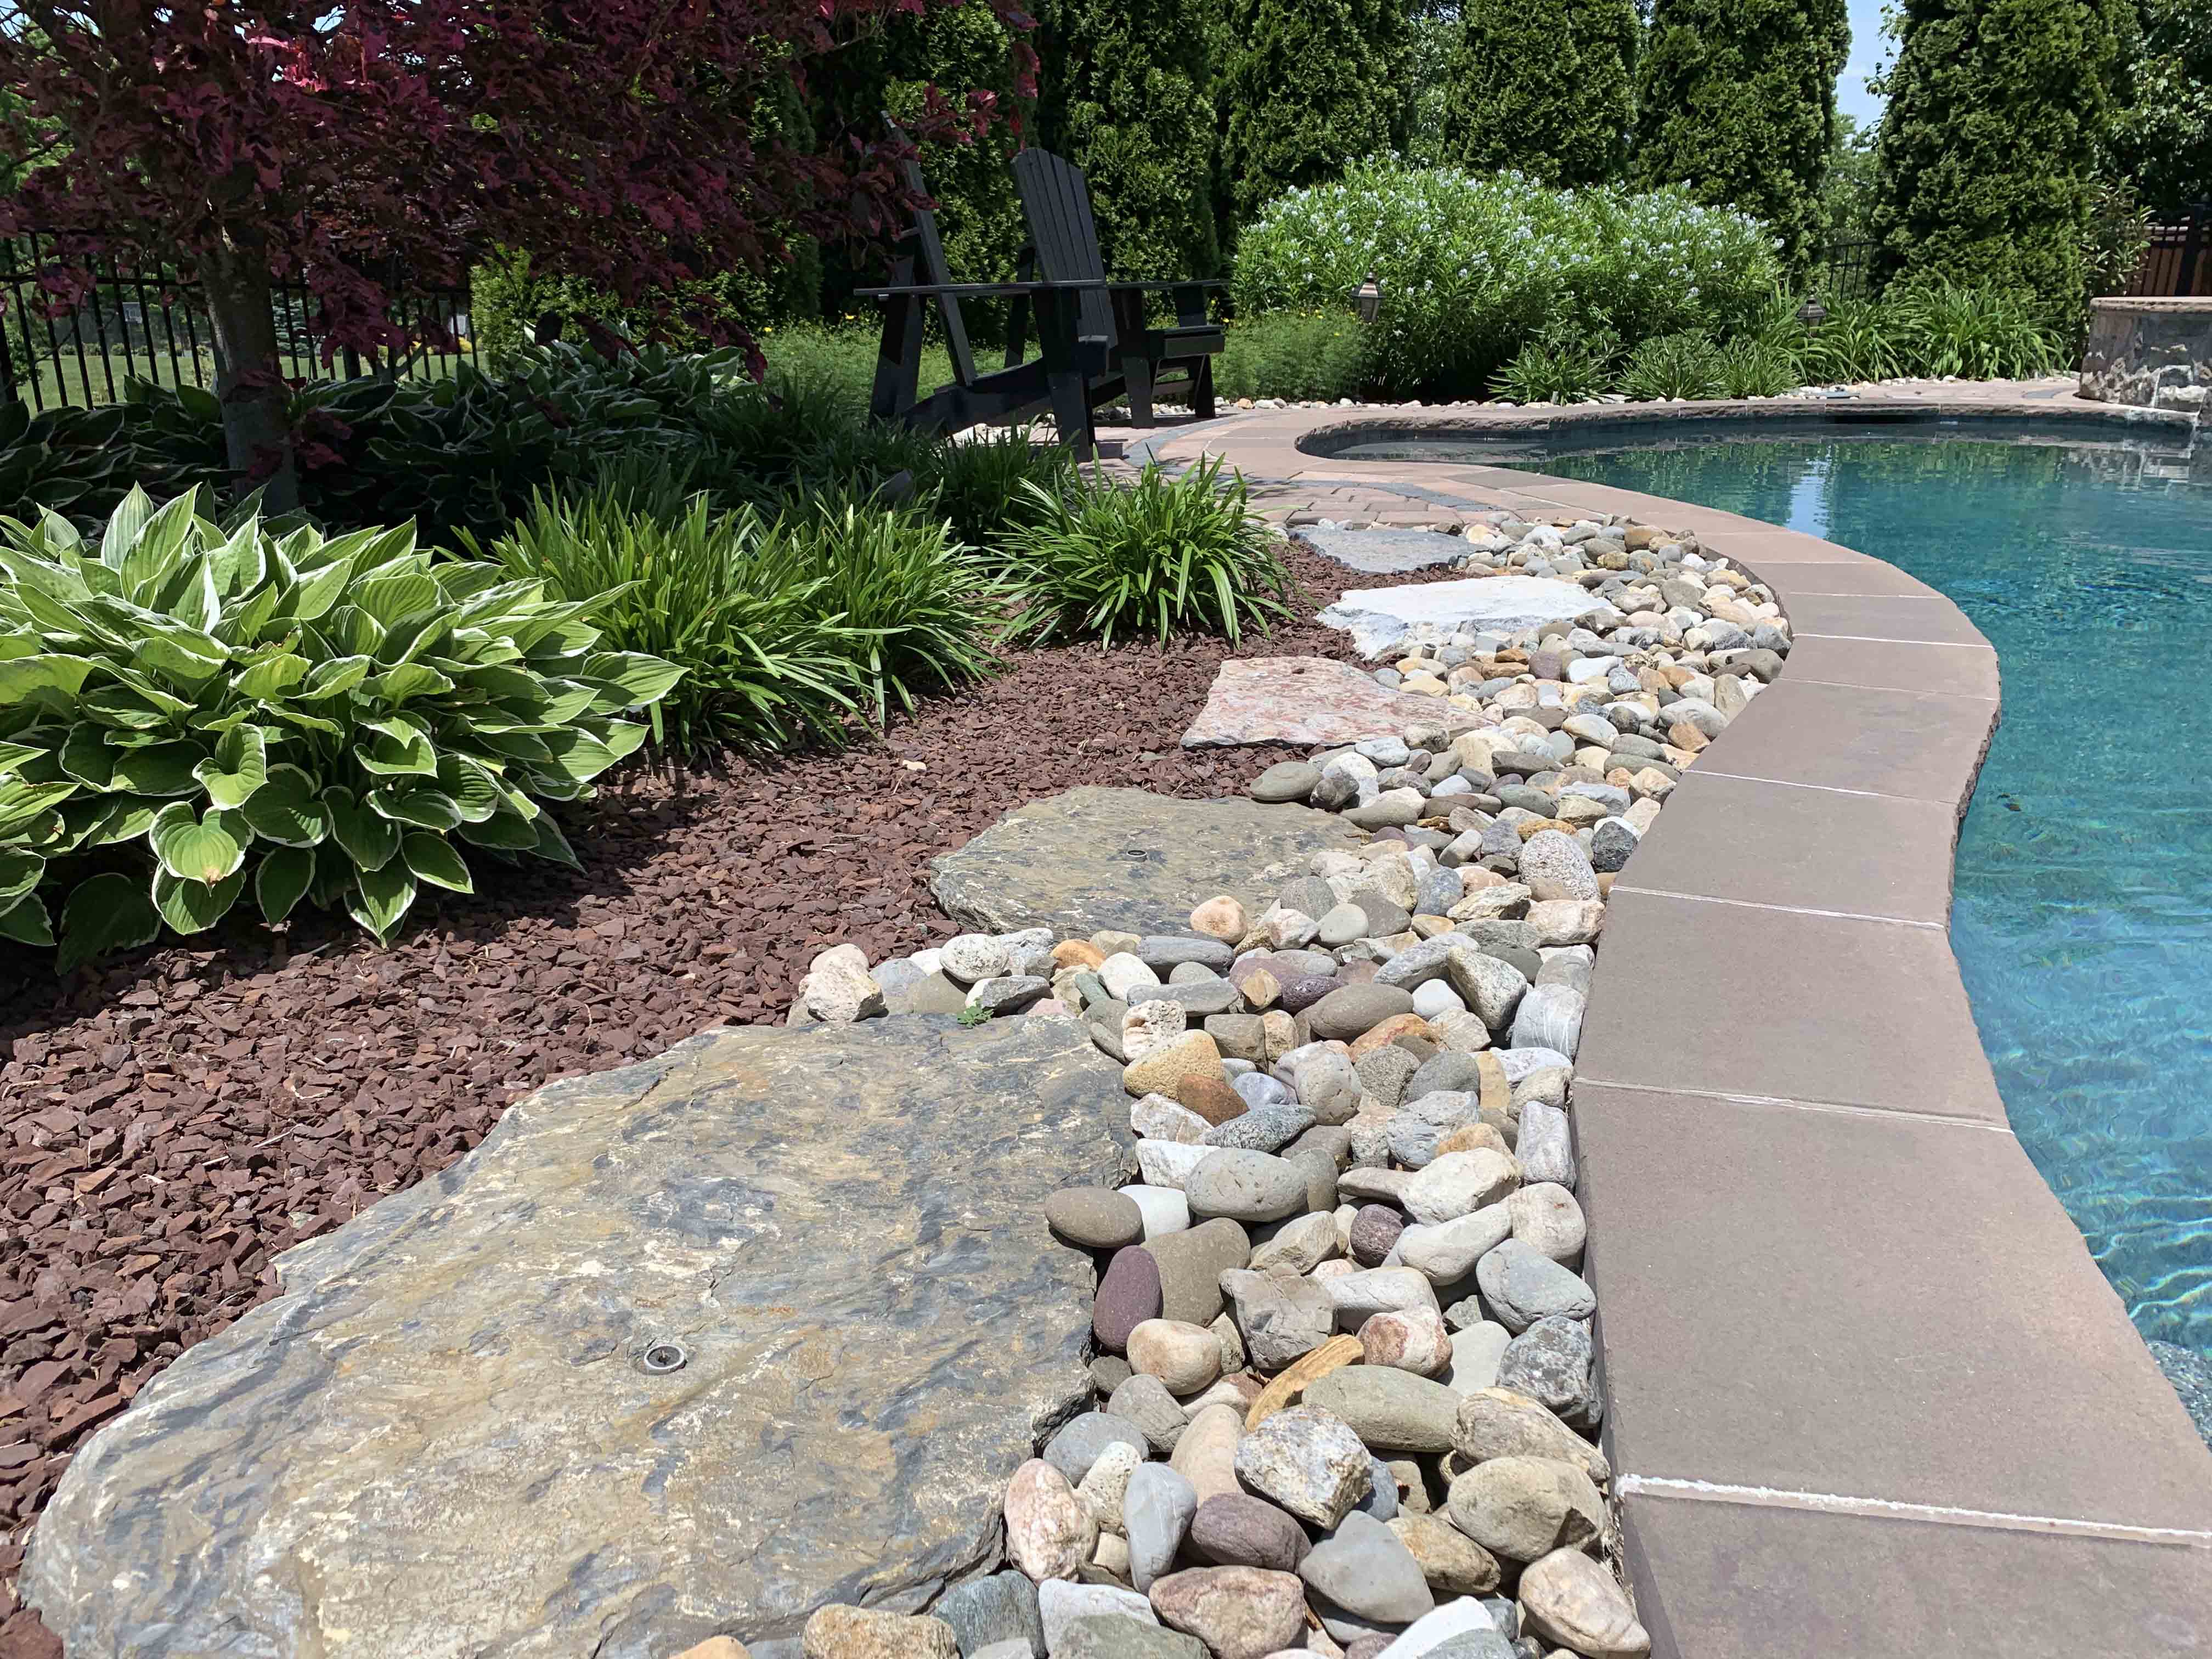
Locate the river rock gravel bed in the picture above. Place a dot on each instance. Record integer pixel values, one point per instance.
(1348, 1394)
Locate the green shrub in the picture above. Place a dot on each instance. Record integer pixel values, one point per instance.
(1559, 366)
(1998, 114)
(975, 484)
(785, 626)
(1545, 87)
(1472, 267)
(80, 463)
(1155, 556)
(1749, 367)
(1736, 102)
(184, 706)
(1309, 87)
(1978, 333)
(1286, 355)
(918, 606)
(1858, 342)
(1685, 365)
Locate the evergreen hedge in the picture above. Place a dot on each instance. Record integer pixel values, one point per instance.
(1736, 103)
(1127, 95)
(1311, 86)
(1543, 86)
(1998, 111)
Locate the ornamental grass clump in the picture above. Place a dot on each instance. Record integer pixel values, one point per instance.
(787, 626)
(187, 707)
(1158, 556)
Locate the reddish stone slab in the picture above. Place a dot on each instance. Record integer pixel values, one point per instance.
(1304, 700)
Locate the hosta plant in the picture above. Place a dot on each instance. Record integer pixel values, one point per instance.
(191, 712)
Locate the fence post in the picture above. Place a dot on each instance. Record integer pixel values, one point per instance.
(2192, 246)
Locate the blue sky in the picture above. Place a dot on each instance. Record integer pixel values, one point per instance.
(1866, 47)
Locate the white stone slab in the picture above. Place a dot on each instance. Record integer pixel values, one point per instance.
(1380, 618)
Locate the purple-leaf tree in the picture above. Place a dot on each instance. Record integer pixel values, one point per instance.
(634, 143)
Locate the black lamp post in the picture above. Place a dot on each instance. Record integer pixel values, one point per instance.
(1812, 314)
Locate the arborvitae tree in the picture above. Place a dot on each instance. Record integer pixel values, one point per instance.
(1544, 86)
(1998, 110)
(886, 73)
(1736, 101)
(2164, 141)
(1127, 95)
(1314, 84)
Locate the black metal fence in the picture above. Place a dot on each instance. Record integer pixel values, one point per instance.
(153, 326)
(2179, 262)
(1847, 271)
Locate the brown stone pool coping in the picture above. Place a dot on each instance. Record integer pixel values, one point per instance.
(1868, 1394)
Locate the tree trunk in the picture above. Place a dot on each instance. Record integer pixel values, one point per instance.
(248, 378)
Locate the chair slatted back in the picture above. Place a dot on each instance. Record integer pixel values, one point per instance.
(929, 252)
(1056, 202)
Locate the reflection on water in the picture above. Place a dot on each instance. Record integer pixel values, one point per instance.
(2083, 916)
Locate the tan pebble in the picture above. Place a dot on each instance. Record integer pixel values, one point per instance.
(1261, 988)
(1683, 735)
(1193, 1054)
(1288, 1386)
(1407, 1339)
(1535, 826)
(1383, 1036)
(1050, 1531)
(717, 1647)
(1186, 1357)
(1112, 1556)
(1279, 1033)
(1212, 1098)
(1205, 1455)
(1472, 879)
(1221, 917)
(1430, 926)
(842, 1633)
(1077, 953)
(1472, 1137)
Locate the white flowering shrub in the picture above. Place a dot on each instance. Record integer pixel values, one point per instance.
(1472, 266)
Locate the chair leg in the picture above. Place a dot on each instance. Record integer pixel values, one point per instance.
(1137, 375)
(898, 359)
(1201, 394)
(1071, 401)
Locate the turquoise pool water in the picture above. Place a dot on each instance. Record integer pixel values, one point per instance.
(2083, 915)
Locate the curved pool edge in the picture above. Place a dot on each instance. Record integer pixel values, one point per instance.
(1868, 1392)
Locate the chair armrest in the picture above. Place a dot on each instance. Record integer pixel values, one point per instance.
(973, 290)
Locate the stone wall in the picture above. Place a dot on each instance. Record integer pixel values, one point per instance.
(2154, 353)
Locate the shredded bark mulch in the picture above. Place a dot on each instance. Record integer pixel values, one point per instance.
(171, 1121)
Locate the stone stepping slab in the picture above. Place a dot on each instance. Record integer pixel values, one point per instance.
(1382, 552)
(1378, 618)
(1301, 699)
(1090, 860)
(695, 1345)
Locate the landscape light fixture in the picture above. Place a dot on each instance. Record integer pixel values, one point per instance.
(1368, 299)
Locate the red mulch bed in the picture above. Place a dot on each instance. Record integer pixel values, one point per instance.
(171, 1121)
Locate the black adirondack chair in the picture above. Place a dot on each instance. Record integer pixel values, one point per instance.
(1055, 379)
(1142, 360)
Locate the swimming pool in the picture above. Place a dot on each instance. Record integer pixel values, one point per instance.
(2082, 918)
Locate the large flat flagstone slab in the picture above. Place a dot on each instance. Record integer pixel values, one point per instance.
(1382, 552)
(444, 1440)
(1304, 700)
(1377, 618)
(1092, 858)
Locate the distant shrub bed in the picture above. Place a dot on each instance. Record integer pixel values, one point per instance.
(1473, 268)
(1322, 355)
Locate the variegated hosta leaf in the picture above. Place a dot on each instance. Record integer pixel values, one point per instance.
(194, 849)
(219, 704)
